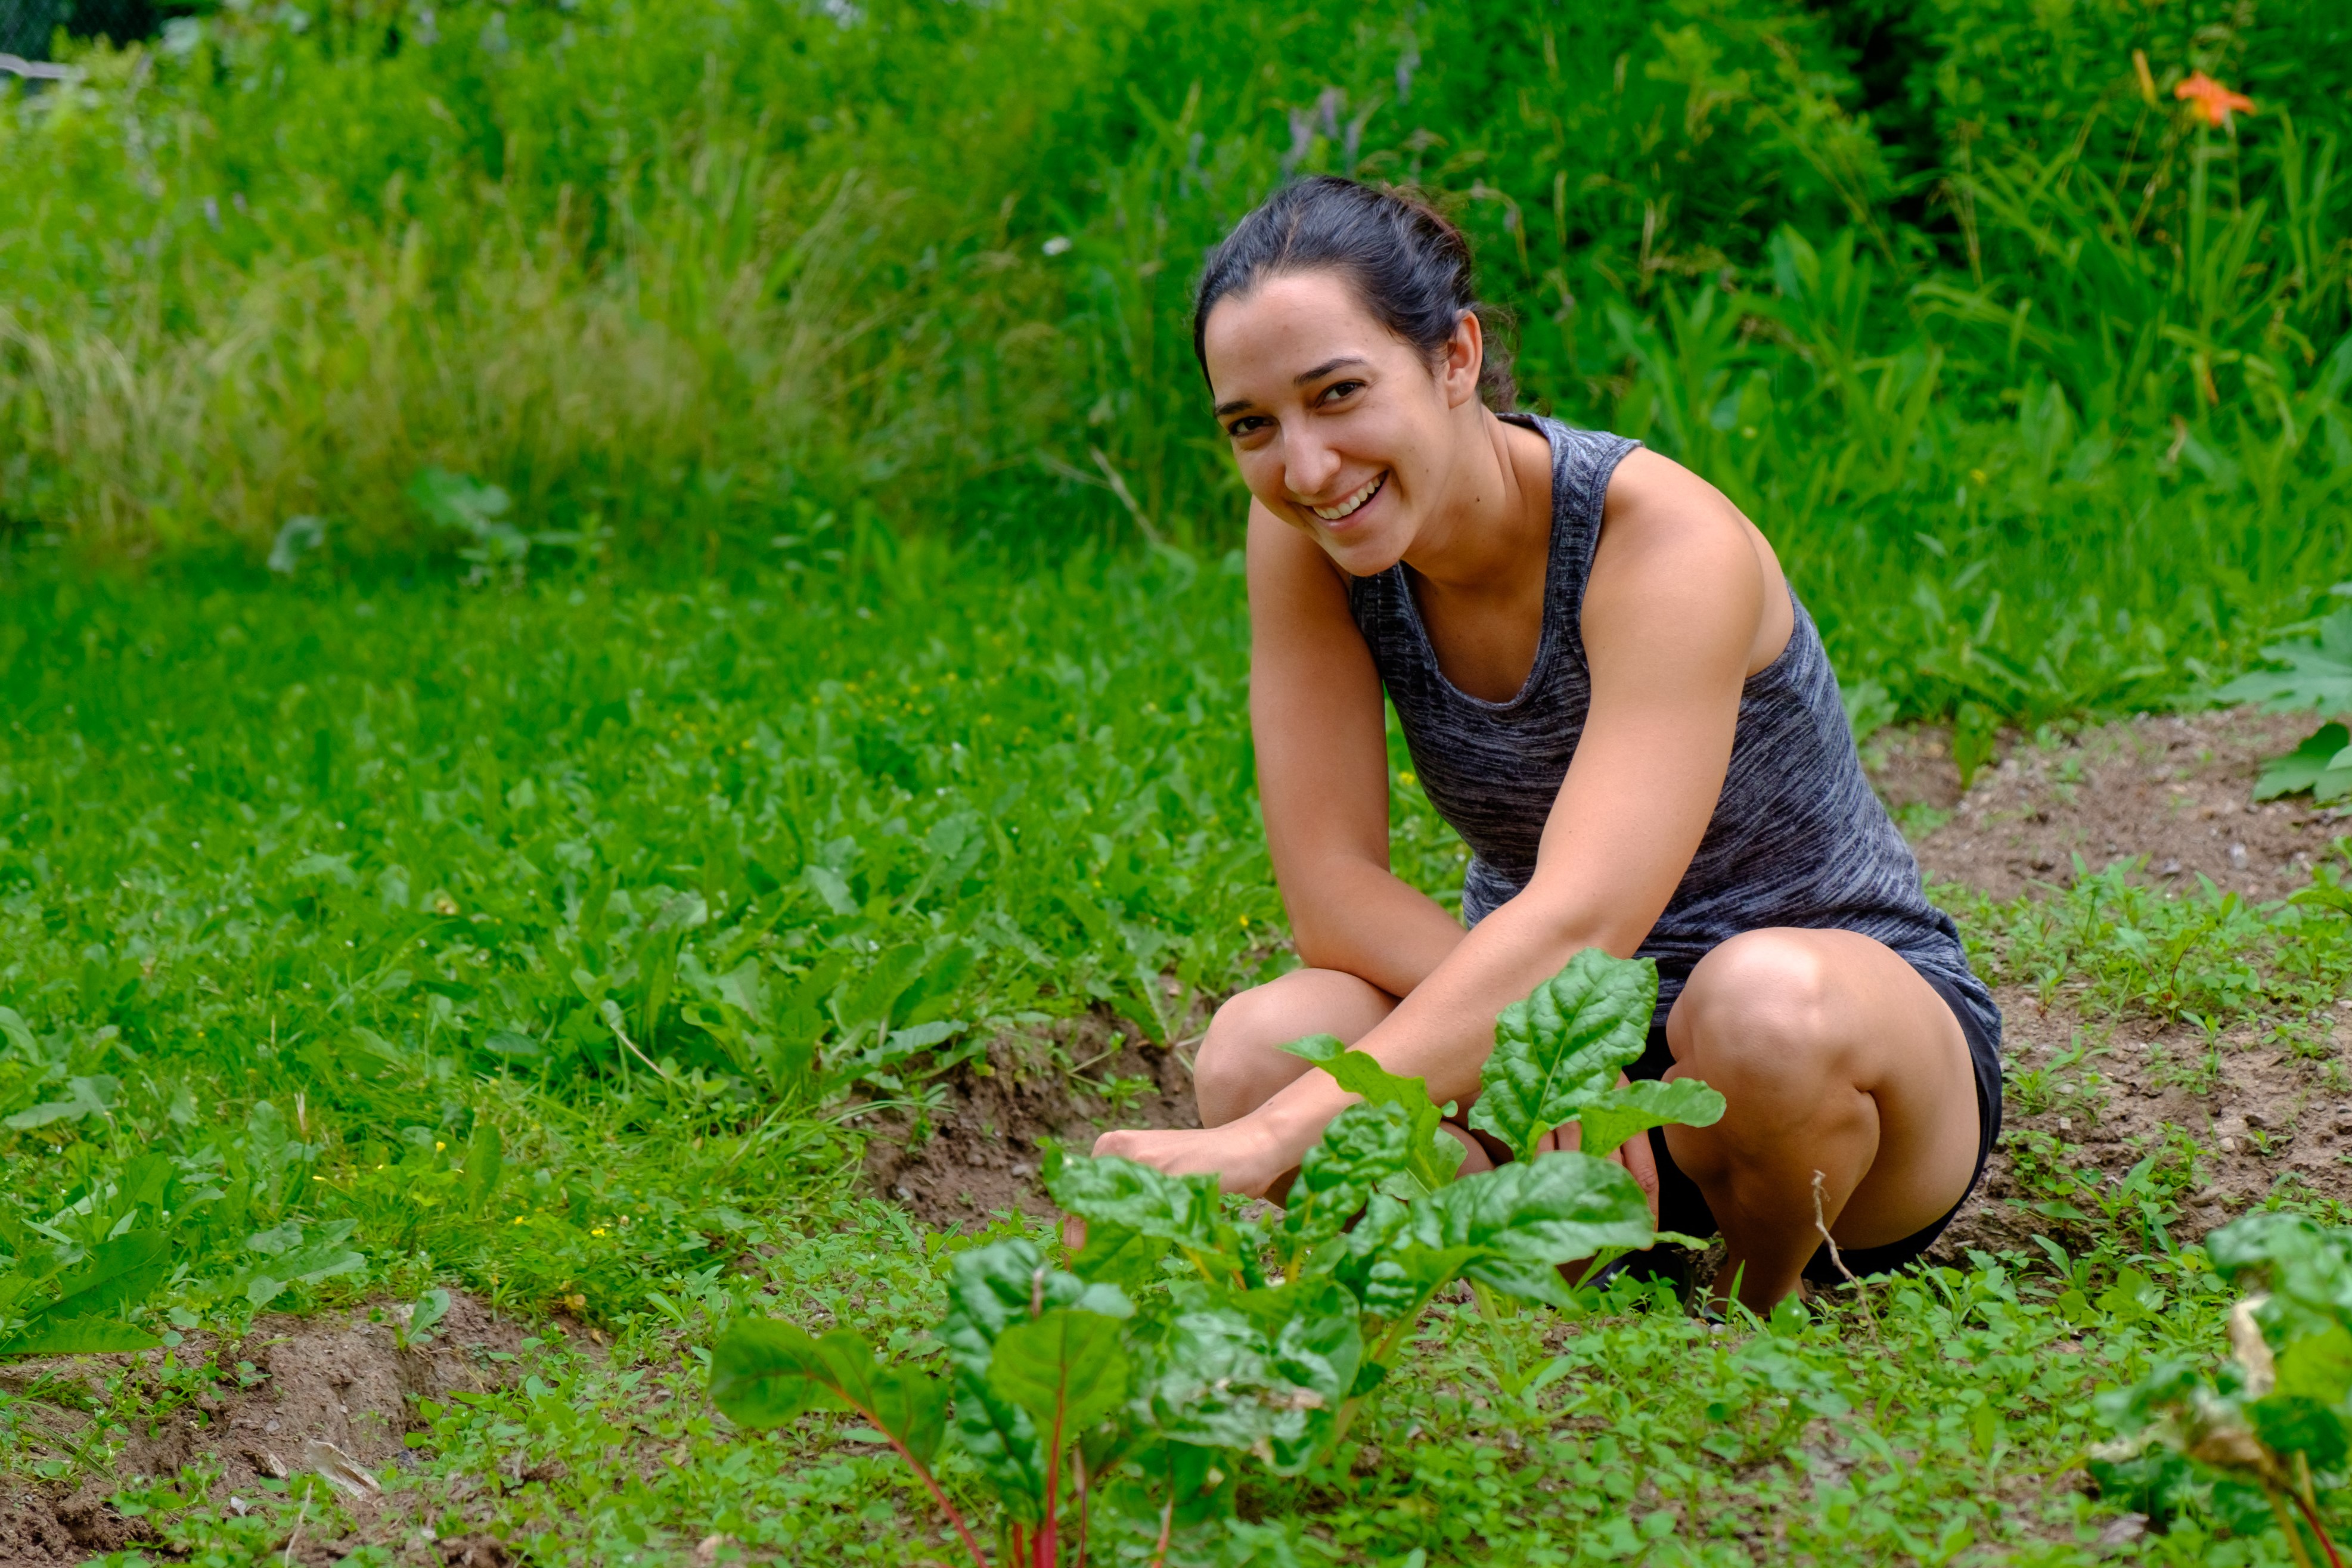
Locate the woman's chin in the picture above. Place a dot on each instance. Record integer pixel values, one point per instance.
(1361, 551)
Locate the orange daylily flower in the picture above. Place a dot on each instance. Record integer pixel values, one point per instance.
(2213, 100)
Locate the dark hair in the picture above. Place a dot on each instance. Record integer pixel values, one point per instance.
(1409, 266)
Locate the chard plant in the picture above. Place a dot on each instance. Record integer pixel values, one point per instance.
(2263, 1440)
(2318, 676)
(1125, 1392)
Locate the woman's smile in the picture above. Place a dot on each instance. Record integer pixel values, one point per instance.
(1353, 502)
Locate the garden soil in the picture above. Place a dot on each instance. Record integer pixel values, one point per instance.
(2170, 795)
(332, 1394)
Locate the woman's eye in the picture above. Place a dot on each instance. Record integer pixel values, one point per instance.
(1338, 390)
(1248, 424)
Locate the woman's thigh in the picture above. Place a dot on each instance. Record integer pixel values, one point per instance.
(1242, 1064)
(1802, 1029)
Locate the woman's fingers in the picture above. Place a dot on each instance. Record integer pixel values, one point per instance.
(1641, 1163)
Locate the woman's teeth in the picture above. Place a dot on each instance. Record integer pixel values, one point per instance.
(1371, 488)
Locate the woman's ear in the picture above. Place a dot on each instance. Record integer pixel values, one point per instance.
(1464, 357)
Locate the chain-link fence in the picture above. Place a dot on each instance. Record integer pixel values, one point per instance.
(26, 27)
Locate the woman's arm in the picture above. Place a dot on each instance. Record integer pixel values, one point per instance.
(1321, 733)
(1674, 619)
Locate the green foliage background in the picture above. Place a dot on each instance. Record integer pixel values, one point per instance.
(2037, 379)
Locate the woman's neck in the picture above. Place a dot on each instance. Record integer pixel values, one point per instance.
(1498, 518)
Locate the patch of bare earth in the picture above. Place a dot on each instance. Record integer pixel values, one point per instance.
(2263, 1118)
(978, 1153)
(2172, 795)
(2172, 791)
(331, 1394)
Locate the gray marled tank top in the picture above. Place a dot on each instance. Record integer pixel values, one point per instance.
(1798, 838)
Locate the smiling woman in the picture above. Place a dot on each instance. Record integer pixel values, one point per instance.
(1612, 693)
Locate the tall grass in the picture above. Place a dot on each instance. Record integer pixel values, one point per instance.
(2040, 382)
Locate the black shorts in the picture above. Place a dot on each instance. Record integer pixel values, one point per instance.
(1682, 1207)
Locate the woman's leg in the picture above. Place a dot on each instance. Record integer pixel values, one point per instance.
(1834, 1056)
(1242, 1065)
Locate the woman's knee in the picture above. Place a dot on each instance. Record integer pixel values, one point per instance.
(1761, 1006)
(1240, 1060)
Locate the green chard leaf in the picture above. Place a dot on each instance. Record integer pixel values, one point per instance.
(1517, 1223)
(1627, 1110)
(1185, 1212)
(1363, 1147)
(1433, 1156)
(1563, 1047)
(991, 1289)
(766, 1373)
(1064, 1368)
(1266, 1371)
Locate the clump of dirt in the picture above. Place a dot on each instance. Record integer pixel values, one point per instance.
(2262, 1118)
(2173, 792)
(978, 1155)
(331, 1394)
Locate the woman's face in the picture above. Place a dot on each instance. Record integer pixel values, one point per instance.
(1342, 428)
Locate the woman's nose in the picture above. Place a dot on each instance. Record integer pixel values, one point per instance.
(1308, 466)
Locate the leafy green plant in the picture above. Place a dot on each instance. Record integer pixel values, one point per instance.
(2318, 675)
(81, 1309)
(1185, 1334)
(2264, 1438)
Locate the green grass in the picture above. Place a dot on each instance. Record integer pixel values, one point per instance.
(373, 857)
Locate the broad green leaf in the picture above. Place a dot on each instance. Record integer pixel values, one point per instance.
(1618, 1114)
(1065, 1369)
(989, 1290)
(2313, 765)
(76, 1336)
(1226, 1380)
(765, 1373)
(14, 1033)
(2317, 1365)
(118, 1274)
(2298, 1424)
(1115, 1255)
(1564, 1045)
(484, 1164)
(1540, 1212)
(1364, 1146)
(2318, 674)
(1434, 1156)
(1186, 1212)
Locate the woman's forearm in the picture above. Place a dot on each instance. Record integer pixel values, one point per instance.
(1444, 1029)
(1364, 920)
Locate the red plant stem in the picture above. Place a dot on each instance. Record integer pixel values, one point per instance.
(1078, 1468)
(2311, 1517)
(1167, 1521)
(1048, 1552)
(979, 1559)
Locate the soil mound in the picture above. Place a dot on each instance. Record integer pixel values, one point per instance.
(331, 1394)
(978, 1155)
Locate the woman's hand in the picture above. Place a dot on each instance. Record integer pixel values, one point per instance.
(1240, 1153)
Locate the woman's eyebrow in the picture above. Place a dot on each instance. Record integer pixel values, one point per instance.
(1325, 367)
(1235, 406)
